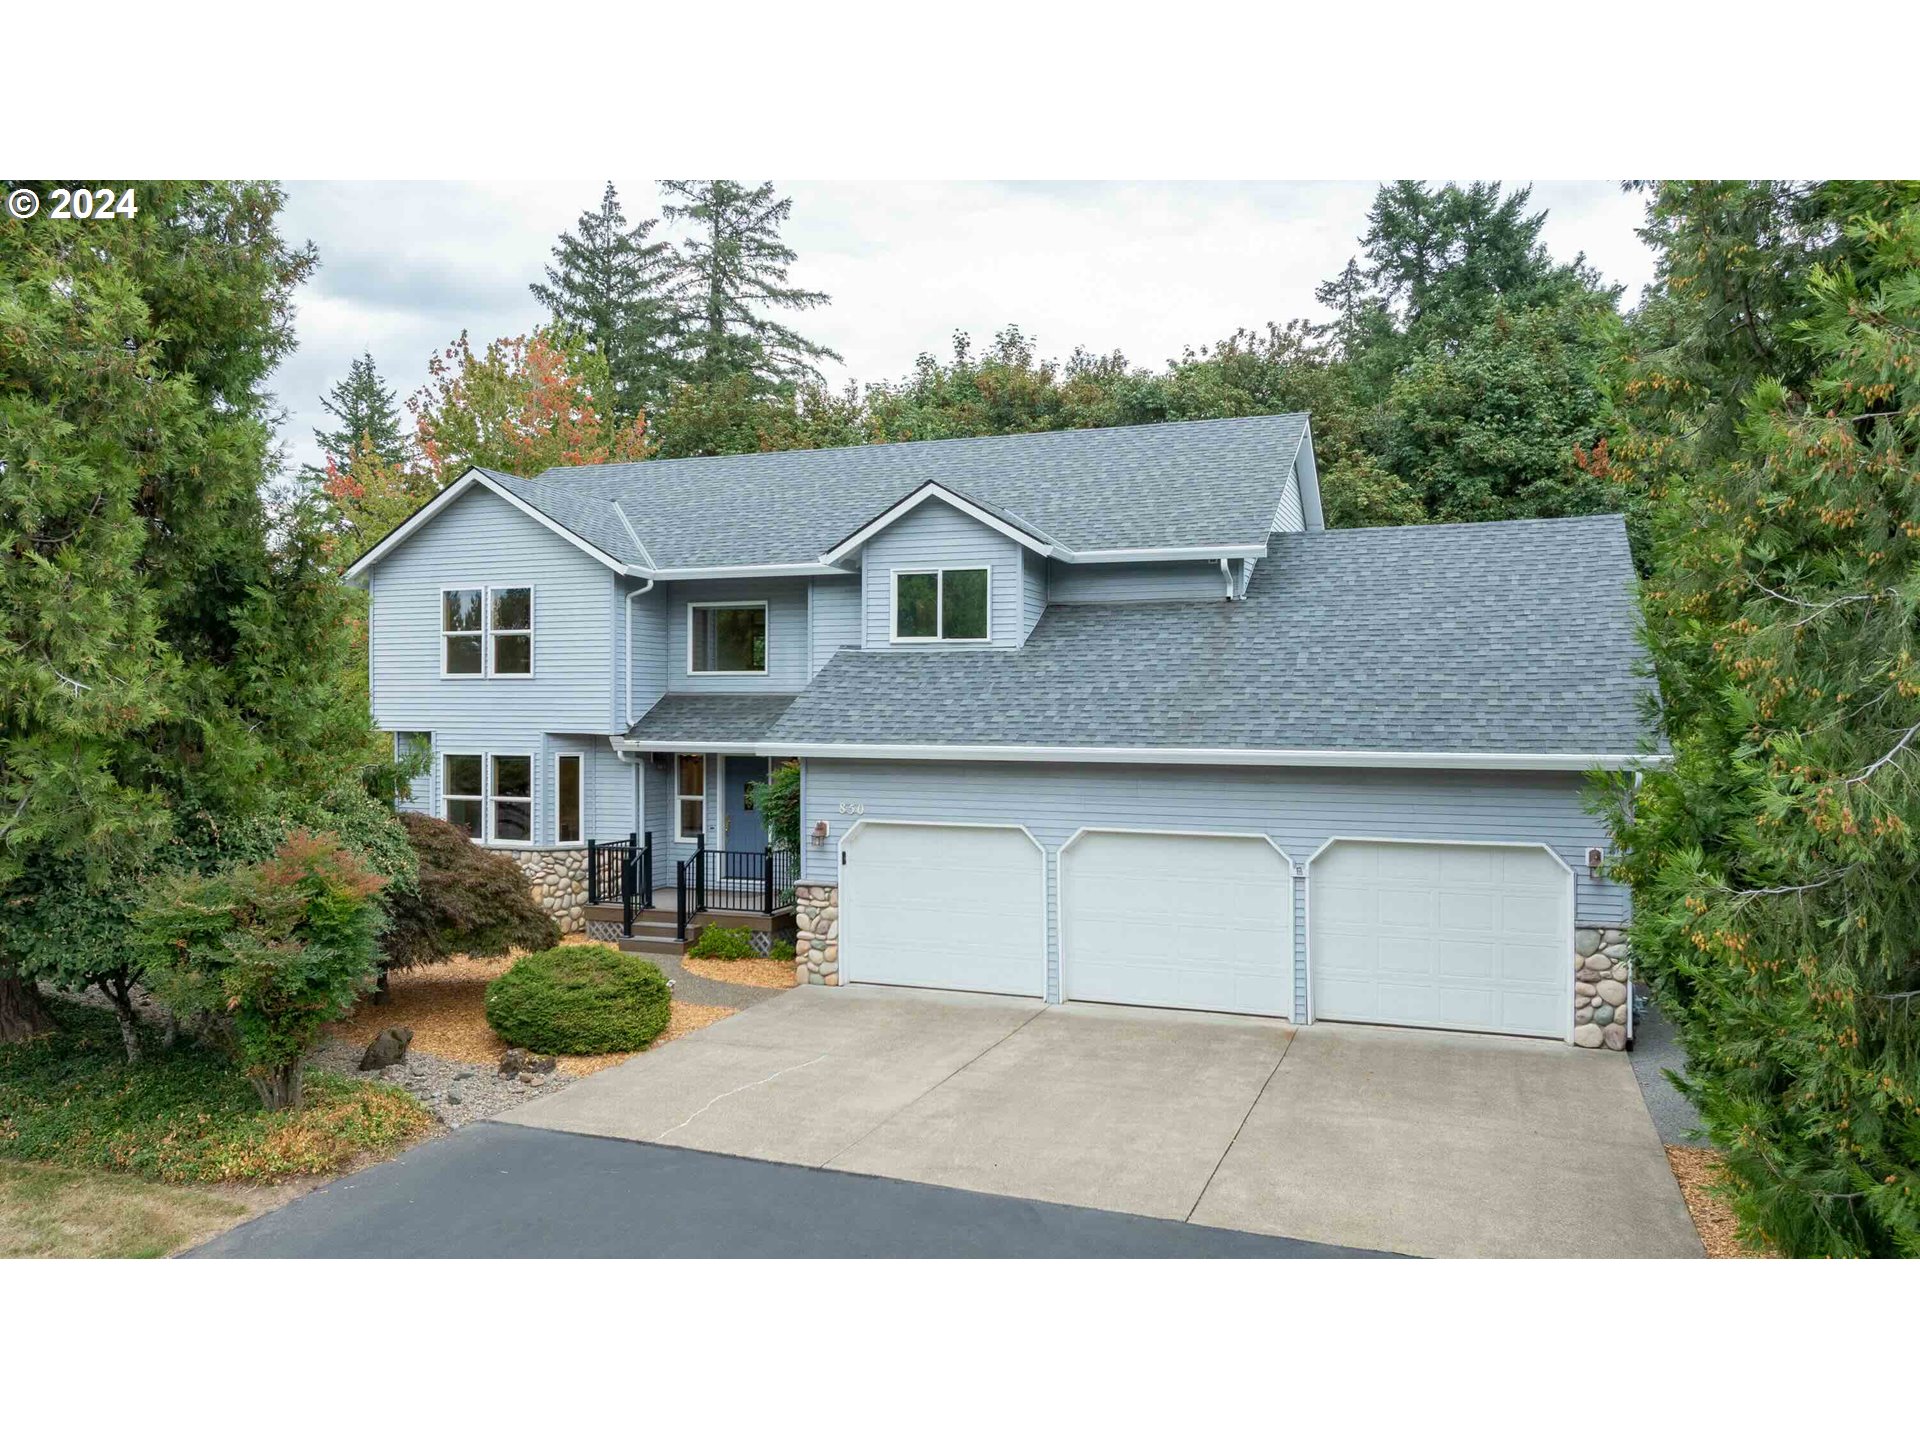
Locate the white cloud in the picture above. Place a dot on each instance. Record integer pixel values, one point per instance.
(1146, 268)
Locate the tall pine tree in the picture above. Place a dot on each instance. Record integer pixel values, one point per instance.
(366, 417)
(171, 667)
(611, 286)
(733, 271)
(1775, 862)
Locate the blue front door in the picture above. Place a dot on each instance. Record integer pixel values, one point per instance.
(746, 830)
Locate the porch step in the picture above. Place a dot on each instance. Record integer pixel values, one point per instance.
(638, 944)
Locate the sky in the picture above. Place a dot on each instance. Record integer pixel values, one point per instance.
(1144, 268)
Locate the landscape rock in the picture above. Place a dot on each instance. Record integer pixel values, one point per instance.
(524, 1062)
(1587, 1037)
(389, 1047)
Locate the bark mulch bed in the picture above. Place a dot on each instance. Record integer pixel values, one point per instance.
(1698, 1170)
(759, 972)
(445, 1006)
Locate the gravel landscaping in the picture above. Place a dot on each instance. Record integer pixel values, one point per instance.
(456, 1091)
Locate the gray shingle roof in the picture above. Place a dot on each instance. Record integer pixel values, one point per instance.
(720, 719)
(1197, 482)
(1511, 637)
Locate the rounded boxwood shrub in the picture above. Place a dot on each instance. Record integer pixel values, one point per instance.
(580, 1000)
(722, 942)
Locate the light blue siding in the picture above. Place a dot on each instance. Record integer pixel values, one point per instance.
(1135, 580)
(482, 540)
(1290, 516)
(937, 535)
(788, 667)
(1033, 591)
(1301, 809)
(648, 616)
(836, 619)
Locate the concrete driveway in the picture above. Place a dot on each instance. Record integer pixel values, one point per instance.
(1410, 1141)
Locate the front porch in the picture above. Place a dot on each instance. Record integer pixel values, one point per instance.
(751, 890)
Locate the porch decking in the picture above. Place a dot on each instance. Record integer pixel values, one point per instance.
(656, 931)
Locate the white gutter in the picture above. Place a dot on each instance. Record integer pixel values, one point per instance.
(1226, 574)
(1170, 755)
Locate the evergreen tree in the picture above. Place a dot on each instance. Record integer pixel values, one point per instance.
(733, 270)
(168, 667)
(610, 285)
(1775, 864)
(365, 417)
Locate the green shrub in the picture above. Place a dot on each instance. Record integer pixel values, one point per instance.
(778, 802)
(781, 950)
(264, 955)
(723, 942)
(183, 1114)
(466, 900)
(580, 1000)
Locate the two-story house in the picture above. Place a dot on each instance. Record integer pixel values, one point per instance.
(1097, 715)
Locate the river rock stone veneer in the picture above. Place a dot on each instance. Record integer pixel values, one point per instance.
(559, 884)
(1601, 979)
(816, 944)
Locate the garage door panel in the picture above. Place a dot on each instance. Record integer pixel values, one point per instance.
(911, 911)
(1187, 922)
(1461, 937)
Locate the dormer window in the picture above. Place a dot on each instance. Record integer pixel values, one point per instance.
(486, 630)
(727, 639)
(941, 604)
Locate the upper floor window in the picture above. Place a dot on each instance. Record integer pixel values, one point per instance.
(486, 630)
(727, 639)
(940, 604)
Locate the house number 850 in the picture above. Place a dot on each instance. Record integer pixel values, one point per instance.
(852, 807)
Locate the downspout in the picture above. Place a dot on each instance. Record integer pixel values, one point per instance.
(1226, 574)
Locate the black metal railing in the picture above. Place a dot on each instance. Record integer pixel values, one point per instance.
(621, 870)
(755, 881)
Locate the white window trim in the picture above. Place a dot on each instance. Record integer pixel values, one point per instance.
(531, 799)
(446, 635)
(446, 796)
(766, 630)
(486, 632)
(939, 606)
(559, 791)
(486, 797)
(528, 632)
(678, 834)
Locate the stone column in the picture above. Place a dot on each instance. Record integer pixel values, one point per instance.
(1600, 987)
(559, 880)
(816, 946)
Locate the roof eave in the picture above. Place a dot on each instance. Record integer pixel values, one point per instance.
(1546, 761)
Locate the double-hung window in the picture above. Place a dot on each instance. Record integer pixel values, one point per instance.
(727, 639)
(941, 604)
(489, 796)
(486, 630)
(690, 796)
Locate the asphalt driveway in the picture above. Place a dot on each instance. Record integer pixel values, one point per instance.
(1408, 1141)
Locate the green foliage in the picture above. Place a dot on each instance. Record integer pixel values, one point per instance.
(366, 421)
(265, 954)
(185, 1115)
(781, 950)
(778, 802)
(733, 270)
(735, 415)
(1494, 427)
(1775, 867)
(580, 1000)
(609, 285)
(170, 663)
(722, 942)
(465, 900)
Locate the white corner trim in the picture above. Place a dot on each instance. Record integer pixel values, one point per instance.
(933, 490)
(1167, 755)
(474, 476)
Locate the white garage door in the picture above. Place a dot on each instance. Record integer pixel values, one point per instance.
(1196, 922)
(952, 907)
(1462, 937)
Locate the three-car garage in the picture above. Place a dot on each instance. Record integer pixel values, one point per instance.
(1454, 935)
